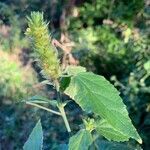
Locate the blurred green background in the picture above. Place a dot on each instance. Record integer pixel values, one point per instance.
(108, 37)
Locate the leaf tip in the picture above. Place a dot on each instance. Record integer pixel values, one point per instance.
(140, 141)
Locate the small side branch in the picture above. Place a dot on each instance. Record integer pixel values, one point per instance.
(44, 108)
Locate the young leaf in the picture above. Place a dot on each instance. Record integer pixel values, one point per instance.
(81, 140)
(94, 93)
(64, 83)
(35, 140)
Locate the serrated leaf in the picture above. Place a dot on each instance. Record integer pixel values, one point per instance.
(35, 140)
(94, 93)
(73, 70)
(81, 140)
(41, 100)
(109, 132)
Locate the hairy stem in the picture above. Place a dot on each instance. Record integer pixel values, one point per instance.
(44, 108)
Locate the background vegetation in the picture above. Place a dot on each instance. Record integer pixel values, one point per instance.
(110, 38)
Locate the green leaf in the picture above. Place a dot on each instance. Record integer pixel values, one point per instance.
(73, 70)
(35, 140)
(107, 145)
(109, 132)
(81, 140)
(64, 83)
(94, 93)
(70, 70)
(41, 100)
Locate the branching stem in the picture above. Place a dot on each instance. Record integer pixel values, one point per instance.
(61, 107)
(63, 114)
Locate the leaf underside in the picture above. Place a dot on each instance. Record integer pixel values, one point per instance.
(94, 93)
(35, 140)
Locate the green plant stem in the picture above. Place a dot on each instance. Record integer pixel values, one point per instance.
(63, 114)
(61, 107)
(47, 109)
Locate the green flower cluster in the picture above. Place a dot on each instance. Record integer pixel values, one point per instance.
(44, 51)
